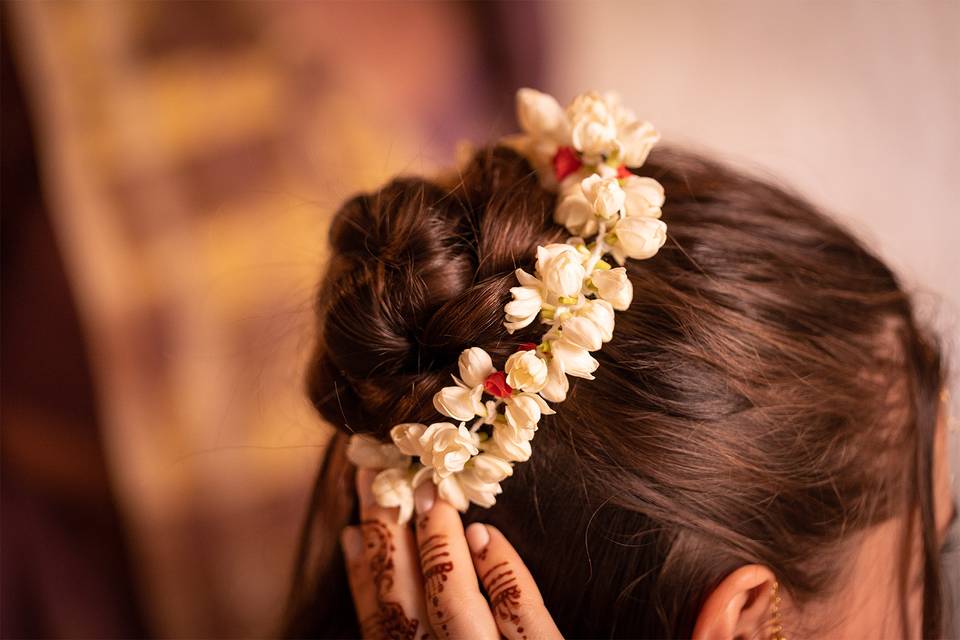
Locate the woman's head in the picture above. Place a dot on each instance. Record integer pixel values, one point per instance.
(767, 400)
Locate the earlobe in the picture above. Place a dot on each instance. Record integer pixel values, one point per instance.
(741, 606)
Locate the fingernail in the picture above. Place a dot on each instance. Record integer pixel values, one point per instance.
(352, 542)
(424, 497)
(477, 537)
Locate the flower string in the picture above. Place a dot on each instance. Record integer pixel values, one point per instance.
(584, 153)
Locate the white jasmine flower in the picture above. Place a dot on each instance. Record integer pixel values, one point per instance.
(614, 286)
(478, 491)
(479, 482)
(511, 443)
(614, 104)
(594, 138)
(636, 139)
(526, 371)
(593, 130)
(365, 451)
(555, 390)
(526, 304)
(605, 196)
(582, 332)
(638, 238)
(589, 105)
(446, 448)
(623, 117)
(488, 467)
(540, 115)
(560, 267)
(576, 213)
(575, 360)
(406, 437)
(470, 485)
(449, 489)
(644, 196)
(392, 488)
(601, 312)
(524, 410)
(460, 402)
(475, 365)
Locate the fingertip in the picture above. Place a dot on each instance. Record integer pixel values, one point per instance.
(496, 534)
(424, 497)
(439, 511)
(478, 537)
(498, 545)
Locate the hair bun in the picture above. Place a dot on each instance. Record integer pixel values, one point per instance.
(419, 272)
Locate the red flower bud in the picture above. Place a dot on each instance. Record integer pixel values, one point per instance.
(527, 346)
(565, 162)
(496, 385)
(623, 172)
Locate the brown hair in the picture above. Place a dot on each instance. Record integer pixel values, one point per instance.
(767, 395)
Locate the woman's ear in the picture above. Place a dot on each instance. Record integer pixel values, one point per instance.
(741, 607)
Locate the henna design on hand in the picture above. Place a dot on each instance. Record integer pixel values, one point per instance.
(389, 621)
(504, 593)
(377, 536)
(434, 558)
(433, 550)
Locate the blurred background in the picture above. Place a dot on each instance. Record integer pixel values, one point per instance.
(168, 173)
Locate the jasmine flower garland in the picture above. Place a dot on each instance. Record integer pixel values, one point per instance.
(582, 152)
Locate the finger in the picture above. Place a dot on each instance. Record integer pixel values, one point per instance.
(391, 557)
(516, 602)
(455, 606)
(360, 579)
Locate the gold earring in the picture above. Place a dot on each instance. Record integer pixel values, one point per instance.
(776, 623)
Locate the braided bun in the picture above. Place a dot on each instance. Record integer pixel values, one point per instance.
(419, 272)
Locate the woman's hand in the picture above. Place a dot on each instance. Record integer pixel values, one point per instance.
(427, 587)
